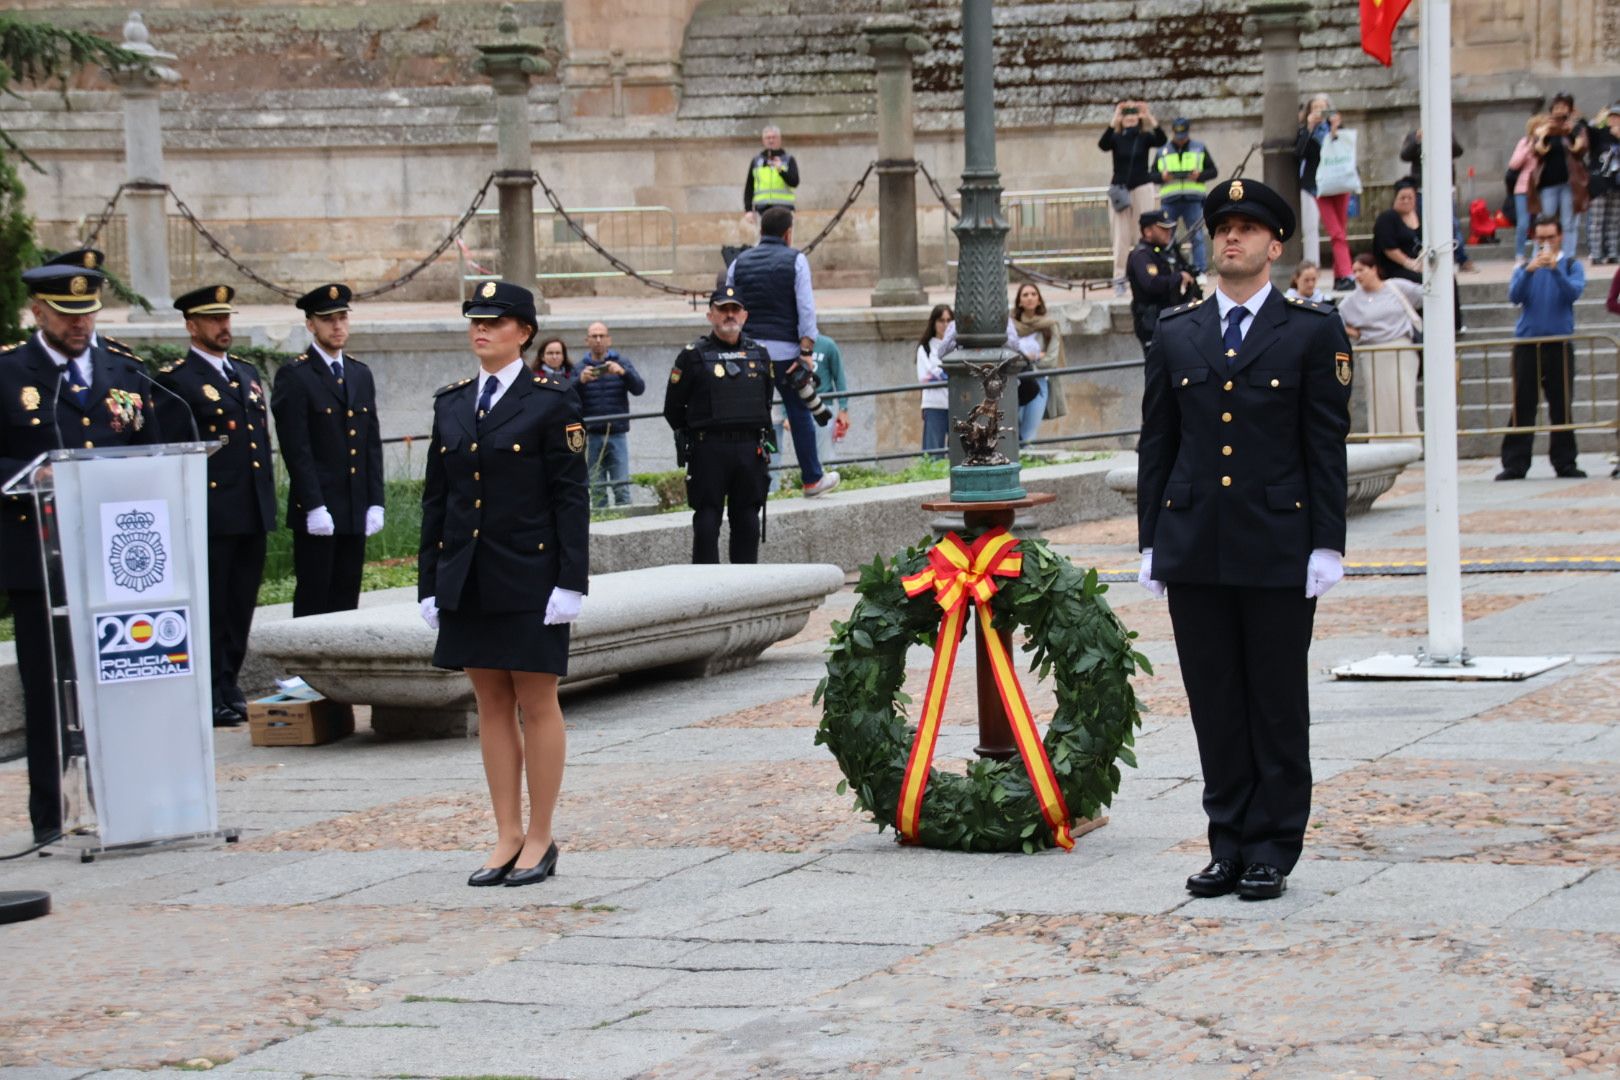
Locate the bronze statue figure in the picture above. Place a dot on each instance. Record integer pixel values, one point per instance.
(982, 429)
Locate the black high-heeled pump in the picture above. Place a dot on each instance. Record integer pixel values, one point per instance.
(494, 875)
(537, 873)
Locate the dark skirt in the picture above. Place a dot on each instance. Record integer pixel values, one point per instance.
(504, 640)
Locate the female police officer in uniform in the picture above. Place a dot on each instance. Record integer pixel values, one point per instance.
(503, 565)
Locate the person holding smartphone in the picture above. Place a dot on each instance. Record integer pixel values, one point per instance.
(1545, 288)
(1131, 137)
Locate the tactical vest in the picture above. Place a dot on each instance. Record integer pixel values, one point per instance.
(763, 278)
(733, 386)
(1189, 160)
(770, 187)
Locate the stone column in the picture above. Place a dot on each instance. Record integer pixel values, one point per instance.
(145, 210)
(892, 39)
(1279, 23)
(981, 279)
(510, 62)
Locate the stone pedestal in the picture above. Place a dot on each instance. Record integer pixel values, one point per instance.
(510, 63)
(892, 40)
(146, 211)
(1279, 23)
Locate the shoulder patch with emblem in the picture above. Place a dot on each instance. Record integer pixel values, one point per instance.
(674, 375)
(575, 434)
(452, 386)
(1341, 367)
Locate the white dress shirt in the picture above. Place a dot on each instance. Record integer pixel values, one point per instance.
(507, 376)
(217, 361)
(81, 363)
(1252, 305)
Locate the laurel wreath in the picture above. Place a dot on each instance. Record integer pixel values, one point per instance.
(1071, 635)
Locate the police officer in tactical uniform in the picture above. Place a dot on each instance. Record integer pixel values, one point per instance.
(57, 390)
(718, 401)
(1241, 507)
(227, 403)
(325, 404)
(1157, 276)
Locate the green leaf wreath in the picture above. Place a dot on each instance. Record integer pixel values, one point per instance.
(1074, 638)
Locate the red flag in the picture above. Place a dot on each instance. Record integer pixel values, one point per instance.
(1378, 19)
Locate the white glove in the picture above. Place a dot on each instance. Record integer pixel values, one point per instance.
(374, 520)
(430, 612)
(1144, 576)
(563, 607)
(1324, 571)
(319, 522)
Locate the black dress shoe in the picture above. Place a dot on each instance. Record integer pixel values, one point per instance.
(493, 875)
(1262, 881)
(1571, 473)
(1217, 879)
(227, 717)
(1509, 474)
(537, 873)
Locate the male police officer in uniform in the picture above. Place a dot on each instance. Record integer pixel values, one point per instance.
(57, 390)
(719, 403)
(227, 403)
(325, 405)
(1241, 506)
(1158, 280)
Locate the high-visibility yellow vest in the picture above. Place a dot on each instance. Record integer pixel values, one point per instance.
(770, 188)
(1189, 160)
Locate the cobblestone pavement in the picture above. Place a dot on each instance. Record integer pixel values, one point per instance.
(721, 911)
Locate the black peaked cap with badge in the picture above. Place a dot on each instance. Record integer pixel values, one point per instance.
(1155, 217)
(325, 299)
(726, 295)
(69, 283)
(208, 300)
(1251, 199)
(493, 299)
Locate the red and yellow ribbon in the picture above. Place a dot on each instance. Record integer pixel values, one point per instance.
(957, 573)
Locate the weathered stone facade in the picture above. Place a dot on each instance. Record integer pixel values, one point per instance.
(342, 140)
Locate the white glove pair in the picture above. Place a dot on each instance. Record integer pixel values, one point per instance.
(563, 607)
(320, 523)
(1324, 570)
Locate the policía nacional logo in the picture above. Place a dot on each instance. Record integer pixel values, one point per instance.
(136, 553)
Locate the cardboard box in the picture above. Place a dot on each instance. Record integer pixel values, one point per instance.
(301, 719)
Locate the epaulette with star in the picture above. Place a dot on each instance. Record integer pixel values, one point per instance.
(13, 347)
(452, 386)
(550, 382)
(119, 348)
(1179, 309)
(1312, 305)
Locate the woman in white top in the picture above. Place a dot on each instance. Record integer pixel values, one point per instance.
(1304, 284)
(1381, 312)
(936, 400)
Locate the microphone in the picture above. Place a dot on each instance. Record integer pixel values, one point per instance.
(190, 417)
(56, 399)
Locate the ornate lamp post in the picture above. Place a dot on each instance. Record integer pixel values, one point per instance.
(892, 40)
(145, 213)
(510, 62)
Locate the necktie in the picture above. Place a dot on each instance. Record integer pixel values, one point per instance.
(1233, 339)
(74, 383)
(486, 401)
(337, 371)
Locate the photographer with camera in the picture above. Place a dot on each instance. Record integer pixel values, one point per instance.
(718, 402)
(772, 176)
(1131, 137)
(1545, 289)
(772, 281)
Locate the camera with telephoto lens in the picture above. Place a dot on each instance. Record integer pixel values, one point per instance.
(803, 382)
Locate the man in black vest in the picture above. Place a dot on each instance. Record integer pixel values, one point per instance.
(227, 403)
(773, 282)
(57, 391)
(1157, 278)
(325, 405)
(718, 401)
(1241, 498)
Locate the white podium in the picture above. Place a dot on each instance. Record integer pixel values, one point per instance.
(125, 550)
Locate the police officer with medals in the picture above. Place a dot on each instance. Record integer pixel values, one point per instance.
(62, 388)
(1157, 276)
(718, 402)
(222, 398)
(325, 405)
(1242, 494)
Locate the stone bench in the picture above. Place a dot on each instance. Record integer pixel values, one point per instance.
(681, 620)
(1373, 468)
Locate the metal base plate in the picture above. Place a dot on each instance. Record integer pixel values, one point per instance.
(1504, 668)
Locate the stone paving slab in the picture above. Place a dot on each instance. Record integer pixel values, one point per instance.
(1444, 893)
(1590, 905)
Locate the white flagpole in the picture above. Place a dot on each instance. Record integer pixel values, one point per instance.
(1445, 645)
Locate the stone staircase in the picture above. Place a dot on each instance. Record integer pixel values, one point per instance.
(1057, 61)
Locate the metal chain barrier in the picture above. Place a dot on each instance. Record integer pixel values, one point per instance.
(252, 275)
(849, 201)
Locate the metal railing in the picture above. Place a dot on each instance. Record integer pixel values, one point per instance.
(1486, 379)
(647, 237)
(1061, 227)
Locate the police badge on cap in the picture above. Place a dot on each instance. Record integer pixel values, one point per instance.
(1250, 199)
(208, 300)
(69, 283)
(325, 300)
(496, 298)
